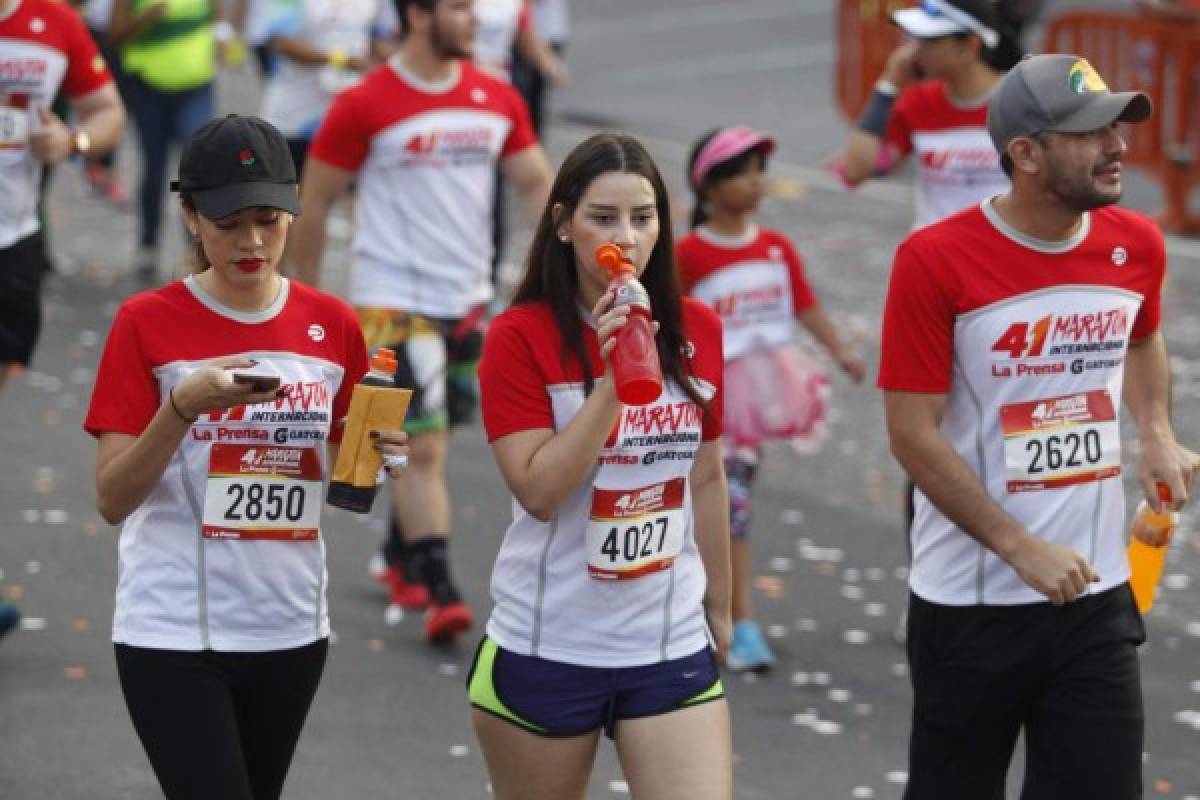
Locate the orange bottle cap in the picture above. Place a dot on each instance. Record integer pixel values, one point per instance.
(384, 360)
(612, 258)
(1164, 492)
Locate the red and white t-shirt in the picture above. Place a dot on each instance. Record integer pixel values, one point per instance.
(615, 579)
(754, 282)
(500, 21)
(426, 160)
(44, 46)
(225, 553)
(956, 163)
(1028, 341)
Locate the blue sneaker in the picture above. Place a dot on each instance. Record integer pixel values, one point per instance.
(749, 651)
(9, 617)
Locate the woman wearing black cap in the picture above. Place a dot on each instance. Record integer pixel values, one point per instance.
(216, 409)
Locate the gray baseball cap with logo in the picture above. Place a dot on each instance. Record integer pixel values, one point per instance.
(1058, 93)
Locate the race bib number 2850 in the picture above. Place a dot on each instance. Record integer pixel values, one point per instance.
(256, 492)
(1061, 441)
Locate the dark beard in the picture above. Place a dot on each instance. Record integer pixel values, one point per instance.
(443, 47)
(1078, 194)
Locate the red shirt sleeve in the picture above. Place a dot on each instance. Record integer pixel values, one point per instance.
(512, 390)
(522, 134)
(802, 294)
(917, 353)
(355, 365)
(342, 141)
(900, 128)
(126, 393)
(86, 70)
(704, 331)
(1149, 316)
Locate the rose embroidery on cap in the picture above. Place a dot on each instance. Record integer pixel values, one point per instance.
(246, 157)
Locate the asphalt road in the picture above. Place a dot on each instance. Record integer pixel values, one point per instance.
(390, 719)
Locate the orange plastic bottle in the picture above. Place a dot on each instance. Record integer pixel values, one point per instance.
(1146, 561)
(636, 371)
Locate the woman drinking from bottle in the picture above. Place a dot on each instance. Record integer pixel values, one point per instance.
(615, 568)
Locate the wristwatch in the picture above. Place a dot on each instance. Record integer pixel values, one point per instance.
(81, 143)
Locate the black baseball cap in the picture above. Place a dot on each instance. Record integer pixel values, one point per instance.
(237, 162)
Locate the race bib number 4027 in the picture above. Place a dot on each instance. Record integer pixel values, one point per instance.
(1060, 441)
(635, 532)
(262, 493)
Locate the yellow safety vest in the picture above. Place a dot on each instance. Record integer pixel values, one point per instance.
(178, 52)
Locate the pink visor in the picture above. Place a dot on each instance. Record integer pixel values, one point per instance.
(726, 144)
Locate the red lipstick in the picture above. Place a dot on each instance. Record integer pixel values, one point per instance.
(249, 265)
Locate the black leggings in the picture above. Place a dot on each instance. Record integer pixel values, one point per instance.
(220, 724)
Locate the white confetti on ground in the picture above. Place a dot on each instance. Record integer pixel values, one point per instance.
(459, 751)
(805, 719)
(31, 516)
(33, 624)
(393, 616)
(875, 609)
(777, 631)
(791, 516)
(900, 670)
(897, 776)
(448, 670)
(1195, 684)
(618, 787)
(874, 573)
(862, 793)
(810, 552)
(33, 567)
(822, 678)
(856, 637)
(781, 564)
(1177, 583)
(56, 517)
(801, 679)
(1189, 718)
(827, 727)
(852, 592)
(851, 575)
(1193, 628)
(839, 695)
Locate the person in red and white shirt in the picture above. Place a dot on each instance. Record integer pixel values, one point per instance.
(423, 135)
(217, 410)
(754, 279)
(931, 103)
(1012, 332)
(45, 48)
(616, 564)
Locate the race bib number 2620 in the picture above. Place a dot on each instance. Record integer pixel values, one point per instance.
(1061, 441)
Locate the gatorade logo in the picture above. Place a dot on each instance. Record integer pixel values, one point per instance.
(1083, 79)
(246, 157)
(1119, 256)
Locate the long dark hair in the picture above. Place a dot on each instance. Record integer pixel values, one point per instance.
(717, 173)
(551, 273)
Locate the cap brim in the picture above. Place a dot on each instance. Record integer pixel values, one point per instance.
(1115, 107)
(915, 22)
(226, 200)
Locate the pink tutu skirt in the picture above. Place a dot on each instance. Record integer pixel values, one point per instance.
(781, 393)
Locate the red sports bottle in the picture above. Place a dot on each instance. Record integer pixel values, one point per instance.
(635, 366)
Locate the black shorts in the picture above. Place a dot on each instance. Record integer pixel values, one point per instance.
(1066, 677)
(23, 266)
(436, 360)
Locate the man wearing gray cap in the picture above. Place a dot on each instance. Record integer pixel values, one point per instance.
(1011, 333)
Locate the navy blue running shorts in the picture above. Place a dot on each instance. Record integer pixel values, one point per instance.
(550, 698)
